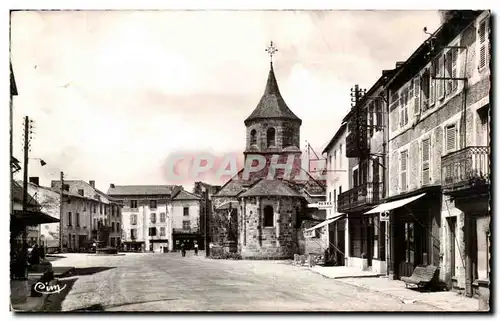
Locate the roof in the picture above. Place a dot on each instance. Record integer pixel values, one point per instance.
(17, 195)
(335, 137)
(271, 188)
(459, 21)
(123, 190)
(185, 195)
(58, 191)
(272, 104)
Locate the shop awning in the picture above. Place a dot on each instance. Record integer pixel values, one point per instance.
(324, 223)
(395, 204)
(33, 218)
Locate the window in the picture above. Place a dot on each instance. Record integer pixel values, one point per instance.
(84, 206)
(112, 210)
(95, 208)
(152, 231)
(113, 227)
(162, 217)
(105, 209)
(340, 190)
(152, 204)
(153, 218)
(287, 136)
(95, 224)
(409, 243)
(186, 211)
(118, 227)
(334, 167)
(484, 45)
(253, 137)
(371, 120)
(70, 219)
(133, 219)
(451, 70)
(162, 231)
(133, 204)
(77, 219)
(452, 224)
(403, 120)
(378, 116)
(100, 208)
(186, 225)
(451, 143)
(271, 133)
(432, 91)
(440, 74)
(340, 155)
(330, 161)
(330, 196)
(268, 216)
(416, 90)
(425, 86)
(403, 173)
(133, 233)
(426, 151)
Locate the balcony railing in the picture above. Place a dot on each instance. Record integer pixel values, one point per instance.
(465, 169)
(366, 194)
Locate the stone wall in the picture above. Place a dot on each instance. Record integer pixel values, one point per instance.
(261, 127)
(276, 242)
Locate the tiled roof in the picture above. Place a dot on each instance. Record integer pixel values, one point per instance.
(122, 190)
(272, 104)
(271, 188)
(17, 195)
(185, 195)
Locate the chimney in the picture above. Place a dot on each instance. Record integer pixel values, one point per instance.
(35, 181)
(399, 64)
(80, 192)
(111, 185)
(92, 183)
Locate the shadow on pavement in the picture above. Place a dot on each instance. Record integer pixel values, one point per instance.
(54, 301)
(90, 270)
(94, 307)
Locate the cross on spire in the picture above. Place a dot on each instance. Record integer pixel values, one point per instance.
(271, 50)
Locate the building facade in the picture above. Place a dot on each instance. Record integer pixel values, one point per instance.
(366, 150)
(146, 216)
(93, 215)
(186, 220)
(337, 231)
(439, 153)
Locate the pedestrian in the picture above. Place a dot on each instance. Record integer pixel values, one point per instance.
(196, 249)
(183, 249)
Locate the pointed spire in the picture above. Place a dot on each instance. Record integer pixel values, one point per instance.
(272, 104)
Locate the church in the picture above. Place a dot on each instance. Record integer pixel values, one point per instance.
(259, 216)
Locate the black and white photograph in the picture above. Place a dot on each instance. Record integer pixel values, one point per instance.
(250, 160)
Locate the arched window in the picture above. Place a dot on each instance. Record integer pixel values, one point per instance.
(253, 137)
(268, 216)
(287, 137)
(271, 133)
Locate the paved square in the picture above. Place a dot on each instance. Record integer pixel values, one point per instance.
(169, 282)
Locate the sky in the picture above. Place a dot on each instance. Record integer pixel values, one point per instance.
(114, 93)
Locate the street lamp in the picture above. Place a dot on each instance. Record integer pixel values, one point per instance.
(42, 162)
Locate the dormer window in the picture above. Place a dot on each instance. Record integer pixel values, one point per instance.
(271, 135)
(253, 137)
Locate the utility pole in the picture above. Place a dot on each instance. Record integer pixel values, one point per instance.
(27, 138)
(207, 224)
(61, 214)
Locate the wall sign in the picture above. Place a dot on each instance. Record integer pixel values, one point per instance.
(384, 216)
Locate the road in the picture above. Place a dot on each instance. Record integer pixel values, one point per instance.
(169, 282)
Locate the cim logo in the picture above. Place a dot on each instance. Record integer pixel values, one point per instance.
(46, 288)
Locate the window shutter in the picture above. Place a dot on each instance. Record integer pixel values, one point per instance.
(451, 138)
(432, 92)
(416, 90)
(454, 73)
(404, 160)
(482, 44)
(440, 85)
(426, 161)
